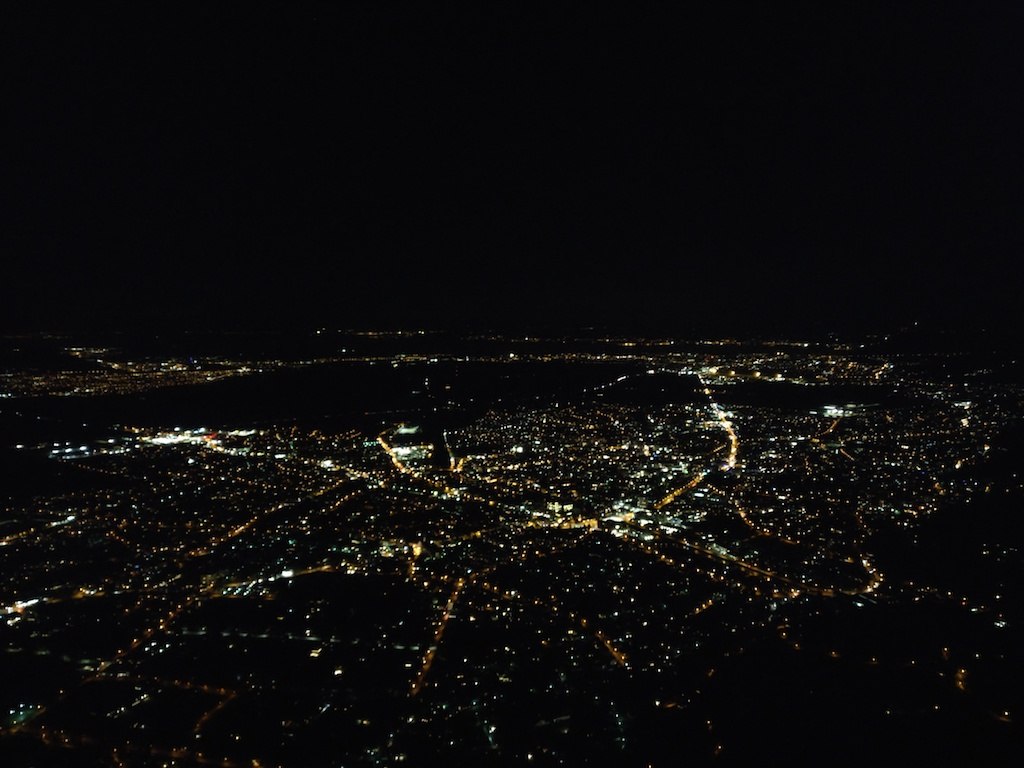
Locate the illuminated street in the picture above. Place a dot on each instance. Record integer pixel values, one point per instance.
(641, 522)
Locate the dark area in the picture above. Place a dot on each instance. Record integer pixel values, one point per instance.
(732, 168)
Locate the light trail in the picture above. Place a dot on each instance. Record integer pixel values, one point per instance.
(745, 517)
(428, 658)
(405, 469)
(619, 656)
(390, 451)
(827, 431)
(730, 460)
(694, 482)
(209, 714)
(734, 441)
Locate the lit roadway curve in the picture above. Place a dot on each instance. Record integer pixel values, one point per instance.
(730, 460)
(875, 577)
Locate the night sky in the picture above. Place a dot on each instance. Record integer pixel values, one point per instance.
(735, 169)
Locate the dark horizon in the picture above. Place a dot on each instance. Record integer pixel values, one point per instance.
(729, 171)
